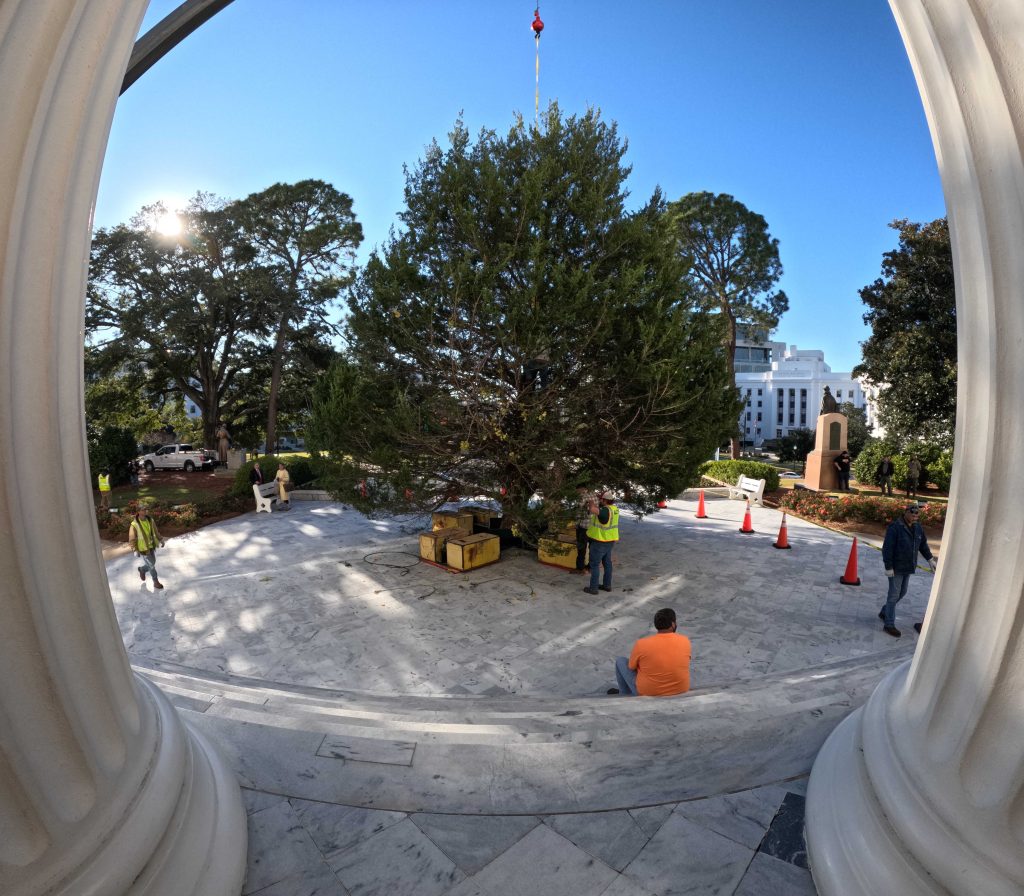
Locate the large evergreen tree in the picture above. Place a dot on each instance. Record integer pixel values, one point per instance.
(523, 333)
(911, 353)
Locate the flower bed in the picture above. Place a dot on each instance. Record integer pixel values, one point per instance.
(170, 519)
(819, 507)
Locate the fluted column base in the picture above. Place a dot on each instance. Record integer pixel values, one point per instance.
(871, 826)
(184, 833)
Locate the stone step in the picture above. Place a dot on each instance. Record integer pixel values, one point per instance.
(510, 755)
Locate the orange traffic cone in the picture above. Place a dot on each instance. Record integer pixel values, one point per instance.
(701, 515)
(783, 539)
(747, 528)
(850, 577)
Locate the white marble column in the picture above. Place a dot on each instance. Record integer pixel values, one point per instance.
(922, 791)
(103, 790)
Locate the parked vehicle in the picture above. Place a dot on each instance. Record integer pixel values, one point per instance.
(179, 457)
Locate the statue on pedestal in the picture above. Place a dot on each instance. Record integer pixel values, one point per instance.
(828, 403)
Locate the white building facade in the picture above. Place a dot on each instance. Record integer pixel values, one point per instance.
(782, 388)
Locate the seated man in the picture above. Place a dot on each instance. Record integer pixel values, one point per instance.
(659, 665)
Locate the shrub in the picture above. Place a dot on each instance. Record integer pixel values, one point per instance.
(111, 448)
(731, 470)
(855, 508)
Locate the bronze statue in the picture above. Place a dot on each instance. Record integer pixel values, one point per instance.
(828, 403)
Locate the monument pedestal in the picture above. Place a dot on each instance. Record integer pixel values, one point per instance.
(829, 442)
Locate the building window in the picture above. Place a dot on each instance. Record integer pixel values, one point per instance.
(779, 418)
(748, 416)
(778, 432)
(759, 403)
(839, 394)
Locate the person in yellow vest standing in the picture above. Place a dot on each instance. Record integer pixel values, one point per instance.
(143, 537)
(103, 480)
(602, 534)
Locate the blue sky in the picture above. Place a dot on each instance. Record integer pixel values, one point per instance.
(807, 112)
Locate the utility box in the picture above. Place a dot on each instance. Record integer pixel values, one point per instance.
(460, 519)
(471, 551)
(432, 544)
(484, 518)
(560, 551)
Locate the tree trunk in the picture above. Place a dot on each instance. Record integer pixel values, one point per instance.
(275, 384)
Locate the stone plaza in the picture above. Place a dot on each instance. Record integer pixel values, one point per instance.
(403, 729)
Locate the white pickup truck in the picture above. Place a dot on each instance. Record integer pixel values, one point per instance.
(178, 457)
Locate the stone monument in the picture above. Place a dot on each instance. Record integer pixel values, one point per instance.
(829, 442)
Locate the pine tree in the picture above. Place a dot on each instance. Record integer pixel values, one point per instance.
(522, 334)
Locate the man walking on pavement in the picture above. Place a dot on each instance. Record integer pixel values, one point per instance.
(143, 537)
(602, 533)
(904, 540)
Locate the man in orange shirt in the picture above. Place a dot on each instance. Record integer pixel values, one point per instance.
(659, 665)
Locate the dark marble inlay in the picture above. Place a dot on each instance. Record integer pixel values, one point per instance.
(784, 838)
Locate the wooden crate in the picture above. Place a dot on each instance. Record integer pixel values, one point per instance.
(560, 551)
(482, 516)
(446, 519)
(471, 551)
(432, 544)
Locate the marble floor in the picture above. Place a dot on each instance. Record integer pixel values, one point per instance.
(402, 729)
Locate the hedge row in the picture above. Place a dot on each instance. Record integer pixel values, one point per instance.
(167, 516)
(730, 470)
(856, 508)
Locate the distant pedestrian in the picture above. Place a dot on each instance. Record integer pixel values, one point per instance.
(913, 475)
(602, 533)
(585, 497)
(904, 540)
(842, 465)
(659, 665)
(143, 537)
(103, 482)
(884, 473)
(133, 472)
(284, 485)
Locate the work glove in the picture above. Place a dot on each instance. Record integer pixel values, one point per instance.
(137, 554)
(161, 544)
(932, 563)
(889, 573)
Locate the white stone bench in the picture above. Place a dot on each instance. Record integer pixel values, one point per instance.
(266, 496)
(746, 487)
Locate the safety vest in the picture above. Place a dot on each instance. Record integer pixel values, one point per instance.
(104, 483)
(145, 541)
(607, 531)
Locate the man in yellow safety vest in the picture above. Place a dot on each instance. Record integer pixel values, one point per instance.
(602, 533)
(143, 537)
(103, 480)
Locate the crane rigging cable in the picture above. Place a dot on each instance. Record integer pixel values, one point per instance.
(538, 27)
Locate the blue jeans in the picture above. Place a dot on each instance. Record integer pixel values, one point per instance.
(897, 590)
(601, 553)
(625, 677)
(149, 564)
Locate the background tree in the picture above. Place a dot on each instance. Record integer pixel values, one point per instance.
(523, 334)
(180, 312)
(857, 432)
(733, 265)
(911, 353)
(796, 445)
(308, 234)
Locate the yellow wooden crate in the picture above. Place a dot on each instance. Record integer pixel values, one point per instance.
(471, 551)
(482, 516)
(559, 551)
(432, 544)
(447, 519)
